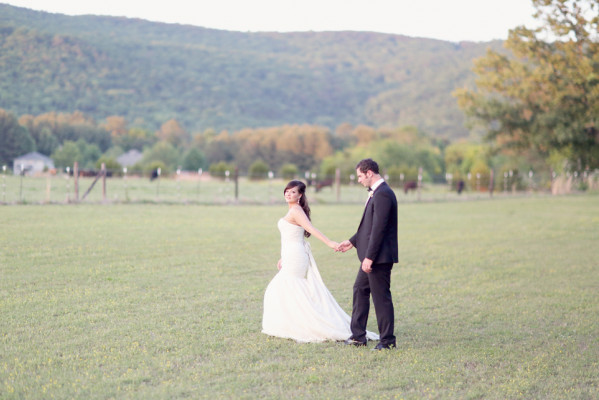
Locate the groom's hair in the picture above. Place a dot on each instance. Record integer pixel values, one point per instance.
(368, 164)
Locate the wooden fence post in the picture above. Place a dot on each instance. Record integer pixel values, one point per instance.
(338, 183)
(103, 172)
(419, 186)
(76, 176)
(236, 178)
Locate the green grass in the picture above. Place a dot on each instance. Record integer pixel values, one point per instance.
(495, 299)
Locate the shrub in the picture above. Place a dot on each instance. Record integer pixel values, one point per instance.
(219, 169)
(111, 165)
(154, 165)
(258, 170)
(193, 160)
(289, 171)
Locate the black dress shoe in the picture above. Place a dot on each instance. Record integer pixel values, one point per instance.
(352, 342)
(382, 346)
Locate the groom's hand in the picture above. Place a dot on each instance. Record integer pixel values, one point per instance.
(367, 265)
(344, 246)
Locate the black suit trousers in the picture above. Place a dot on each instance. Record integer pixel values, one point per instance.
(377, 283)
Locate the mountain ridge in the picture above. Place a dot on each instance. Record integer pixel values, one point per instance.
(150, 72)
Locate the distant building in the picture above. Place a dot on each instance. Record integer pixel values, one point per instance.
(32, 163)
(130, 158)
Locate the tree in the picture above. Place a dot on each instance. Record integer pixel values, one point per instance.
(15, 140)
(545, 96)
(111, 164)
(42, 134)
(89, 154)
(364, 134)
(346, 161)
(136, 138)
(42, 130)
(343, 136)
(52, 129)
(258, 170)
(163, 152)
(116, 125)
(193, 160)
(460, 158)
(389, 153)
(67, 154)
(220, 169)
(46, 142)
(221, 148)
(289, 171)
(171, 131)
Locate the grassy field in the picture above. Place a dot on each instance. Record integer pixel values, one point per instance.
(495, 299)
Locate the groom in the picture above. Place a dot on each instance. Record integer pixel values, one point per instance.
(376, 244)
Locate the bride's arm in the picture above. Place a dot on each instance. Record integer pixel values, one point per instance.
(301, 219)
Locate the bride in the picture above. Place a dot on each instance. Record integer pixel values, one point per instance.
(297, 304)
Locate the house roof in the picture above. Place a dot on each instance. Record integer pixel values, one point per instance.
(34, 156)
(129, 158)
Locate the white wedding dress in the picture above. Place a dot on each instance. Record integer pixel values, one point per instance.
(297, 304)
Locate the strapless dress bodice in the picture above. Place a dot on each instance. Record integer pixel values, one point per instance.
(294, 249)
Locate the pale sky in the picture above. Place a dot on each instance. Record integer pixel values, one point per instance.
(451, 20)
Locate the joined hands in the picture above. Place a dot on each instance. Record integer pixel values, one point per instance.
(344, 246)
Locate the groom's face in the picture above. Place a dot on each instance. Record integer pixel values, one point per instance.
(365, 178)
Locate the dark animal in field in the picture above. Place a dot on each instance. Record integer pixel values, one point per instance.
(410, 185)
(86, 173)
(460, 187)
(154, 175)
(324, 183)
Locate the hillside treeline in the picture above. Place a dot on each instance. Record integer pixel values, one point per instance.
(288, 151)
(67, 138)
(210, 79)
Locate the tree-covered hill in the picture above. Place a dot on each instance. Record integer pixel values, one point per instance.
(151, 72)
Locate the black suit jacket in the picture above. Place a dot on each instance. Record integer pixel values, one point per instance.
(376, 237)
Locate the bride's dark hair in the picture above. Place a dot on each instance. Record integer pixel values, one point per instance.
(303, 201)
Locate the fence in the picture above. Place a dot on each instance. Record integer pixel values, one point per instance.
(201, 188)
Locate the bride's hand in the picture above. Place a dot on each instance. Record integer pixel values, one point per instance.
(279, 266)
(344, 246)
(333, 245)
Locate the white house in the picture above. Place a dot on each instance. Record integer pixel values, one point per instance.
(32, 163)
(129, 158)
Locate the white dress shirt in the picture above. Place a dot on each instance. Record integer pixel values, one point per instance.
(373, 188)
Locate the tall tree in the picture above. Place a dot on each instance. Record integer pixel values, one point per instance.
(544, 96)
(172, 132)
(163, 152)
(15, 140)
(116, 125)
(66, 155)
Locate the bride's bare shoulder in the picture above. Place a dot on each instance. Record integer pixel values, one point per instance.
(295, 214)
(297, 211)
